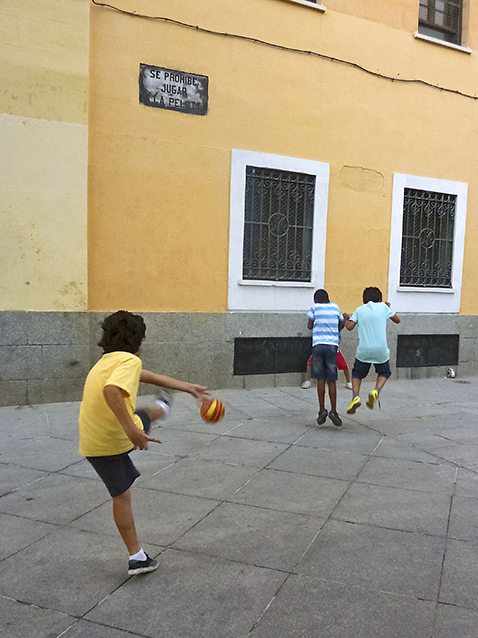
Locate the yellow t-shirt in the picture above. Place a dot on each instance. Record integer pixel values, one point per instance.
(101, 433)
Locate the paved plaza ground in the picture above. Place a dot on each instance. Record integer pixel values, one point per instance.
(264, 525)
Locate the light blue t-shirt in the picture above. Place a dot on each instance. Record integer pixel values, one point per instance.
(326, 317)
(371, 320)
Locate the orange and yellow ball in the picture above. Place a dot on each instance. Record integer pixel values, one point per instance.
(212, 411)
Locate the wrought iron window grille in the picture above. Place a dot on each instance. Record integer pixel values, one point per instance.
(441, 19)
(427, 239)
(278, 225)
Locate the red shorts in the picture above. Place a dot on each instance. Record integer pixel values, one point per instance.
(341, 363)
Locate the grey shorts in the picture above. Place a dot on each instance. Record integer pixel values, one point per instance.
(324, 363)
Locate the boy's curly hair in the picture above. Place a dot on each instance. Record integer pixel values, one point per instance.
(122, 331)
(372, 294)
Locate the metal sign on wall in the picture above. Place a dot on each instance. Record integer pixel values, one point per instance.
(173, 90)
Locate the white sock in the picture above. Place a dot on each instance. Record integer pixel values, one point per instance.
(139, 556)
(166, 408)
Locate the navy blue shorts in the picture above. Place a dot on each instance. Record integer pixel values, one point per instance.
(361, 369)
(118, 471)
(324, 363)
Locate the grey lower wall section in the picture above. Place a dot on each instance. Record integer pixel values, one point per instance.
(45, 356)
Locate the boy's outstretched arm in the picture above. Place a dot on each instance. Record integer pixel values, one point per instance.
(395, 318)
(350, 325)
(199, 392)
(114, 398)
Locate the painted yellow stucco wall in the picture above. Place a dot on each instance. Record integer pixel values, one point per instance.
(44, 46)
(159, 180)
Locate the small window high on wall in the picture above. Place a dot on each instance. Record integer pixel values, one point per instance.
(441, 19)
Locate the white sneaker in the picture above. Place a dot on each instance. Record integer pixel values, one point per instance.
(348, 385)
(305, 385)
(164, 398)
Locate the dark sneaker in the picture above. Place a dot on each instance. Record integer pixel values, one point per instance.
(136, 567)
(322, 417)
(336, 420)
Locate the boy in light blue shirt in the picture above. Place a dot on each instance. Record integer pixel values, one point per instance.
(371, 319)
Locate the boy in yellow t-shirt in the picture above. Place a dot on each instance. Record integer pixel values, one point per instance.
(109, 426)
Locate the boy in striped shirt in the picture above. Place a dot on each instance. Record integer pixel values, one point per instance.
(326, 322)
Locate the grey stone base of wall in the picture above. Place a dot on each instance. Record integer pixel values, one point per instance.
(45, 356)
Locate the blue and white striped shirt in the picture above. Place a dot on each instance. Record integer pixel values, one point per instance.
(326, 318)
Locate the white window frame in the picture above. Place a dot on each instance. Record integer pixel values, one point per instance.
(274, 295)
(312, 5)
(426, 300)
(464, 36)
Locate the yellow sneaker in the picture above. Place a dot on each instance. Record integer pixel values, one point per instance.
(354, 404)
(372, 399)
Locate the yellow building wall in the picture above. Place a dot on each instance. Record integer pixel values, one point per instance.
(43, 141)
(159, 180)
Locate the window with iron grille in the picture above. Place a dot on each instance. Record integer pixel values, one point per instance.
(441, 19)
(278, 225)
(427, 239)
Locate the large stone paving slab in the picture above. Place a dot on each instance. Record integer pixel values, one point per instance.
(317, 462)
(395, 508)
(13, 477)
(392, 448)
(180, 442)
(307, 607)
(287, 492)
(160, 517)
(85, 629)
(241, 451)
(411, 475)
(460, 575)
(455, 622)
(392, 424)
(19, 533)
(466, 483)
(47, 454)
(252, 535)
(62, 420)
(389, 560)
(464, 519)
(20, 620)
(461, 454)
(20, 423)
(68, 571)
(207, 479)
(55, 499)
(191, 595)
(362, 441)
(273, 430)
(287, 401)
